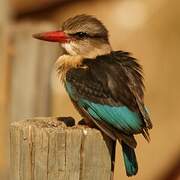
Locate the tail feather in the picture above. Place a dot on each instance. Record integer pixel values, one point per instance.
(129, 160)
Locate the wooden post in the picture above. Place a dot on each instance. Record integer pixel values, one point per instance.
(47, 148)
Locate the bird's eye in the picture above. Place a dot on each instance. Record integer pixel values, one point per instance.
(81, 35)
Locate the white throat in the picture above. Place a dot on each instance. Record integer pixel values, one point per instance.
(69, 48)
(89, 51)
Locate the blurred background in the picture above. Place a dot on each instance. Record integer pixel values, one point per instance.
(30, 87)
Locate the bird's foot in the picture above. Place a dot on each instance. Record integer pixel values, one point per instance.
(82, 122)
(68, 121)
(87, 123)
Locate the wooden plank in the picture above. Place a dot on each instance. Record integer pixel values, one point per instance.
(46, 148)
(32, 63)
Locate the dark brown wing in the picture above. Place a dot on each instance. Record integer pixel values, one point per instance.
(134, 73)
(114, 79)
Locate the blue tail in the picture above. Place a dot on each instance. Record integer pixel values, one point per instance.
(129, 160)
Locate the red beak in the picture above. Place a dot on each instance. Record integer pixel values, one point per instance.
(53, 36)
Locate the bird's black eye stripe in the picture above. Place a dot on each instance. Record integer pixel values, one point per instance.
(81, 34)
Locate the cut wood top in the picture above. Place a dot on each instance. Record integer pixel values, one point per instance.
(55, 124)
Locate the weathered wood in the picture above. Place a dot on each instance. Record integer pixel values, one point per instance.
(46, 148)
(32, 64)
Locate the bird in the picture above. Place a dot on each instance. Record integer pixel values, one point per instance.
(105, 86)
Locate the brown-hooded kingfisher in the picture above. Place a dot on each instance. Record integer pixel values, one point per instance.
(105, 86)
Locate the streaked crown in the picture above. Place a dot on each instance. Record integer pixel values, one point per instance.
(85, 25)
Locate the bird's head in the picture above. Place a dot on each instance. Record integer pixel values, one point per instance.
(82, 35)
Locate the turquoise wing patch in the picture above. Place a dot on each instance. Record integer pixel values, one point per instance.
(120, 117)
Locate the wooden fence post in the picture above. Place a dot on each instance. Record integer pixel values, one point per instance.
(48, 148)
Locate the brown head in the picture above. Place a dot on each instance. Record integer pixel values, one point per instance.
(82, 35)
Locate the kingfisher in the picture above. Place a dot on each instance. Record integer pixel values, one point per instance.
(105, 86)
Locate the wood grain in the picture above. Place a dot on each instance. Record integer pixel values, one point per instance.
(45, 148)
